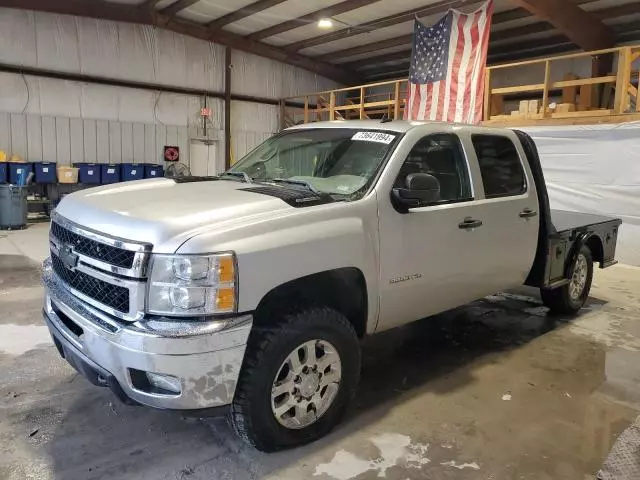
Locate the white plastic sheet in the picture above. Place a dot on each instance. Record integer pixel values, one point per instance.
(595, 169)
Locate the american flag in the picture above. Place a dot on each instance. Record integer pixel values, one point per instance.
(447, 74)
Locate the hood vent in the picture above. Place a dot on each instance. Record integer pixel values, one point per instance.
(292, 196)
(192, 179)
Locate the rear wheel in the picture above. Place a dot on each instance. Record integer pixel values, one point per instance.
(297, 380)
(570, 298)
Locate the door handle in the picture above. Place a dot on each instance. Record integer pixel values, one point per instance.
(528, 213)
(470, 223)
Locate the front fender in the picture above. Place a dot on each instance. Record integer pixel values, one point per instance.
(313, 240)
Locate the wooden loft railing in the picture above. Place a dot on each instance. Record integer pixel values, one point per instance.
(369, 101)
(611, 98)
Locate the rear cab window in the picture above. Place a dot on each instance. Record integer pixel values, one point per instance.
(500, 166)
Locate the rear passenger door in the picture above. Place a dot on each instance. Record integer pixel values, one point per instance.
(509, 209)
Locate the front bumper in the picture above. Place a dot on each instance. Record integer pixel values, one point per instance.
(204, 356)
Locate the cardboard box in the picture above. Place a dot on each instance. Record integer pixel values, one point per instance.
(534, 106)
(67, 175)
(565, 108)
(524, 107)
(569, 93)
(497, 104)
(588, 97)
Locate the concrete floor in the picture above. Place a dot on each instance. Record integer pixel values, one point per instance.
(494, 390)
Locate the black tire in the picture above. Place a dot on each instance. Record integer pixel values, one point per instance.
(559, 300)
(251, 415)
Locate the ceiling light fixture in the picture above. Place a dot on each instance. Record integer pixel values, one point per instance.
(325, 23)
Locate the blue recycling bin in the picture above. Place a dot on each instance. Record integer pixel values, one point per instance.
(3, 172)
(18, 172)
(88, 173)
(45, 172)
(110, 173)
(152, 170)
(132, 171)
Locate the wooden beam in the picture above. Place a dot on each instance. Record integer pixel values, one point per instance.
(581, 27)
(176, 7)
(125, 13)
(252, 9)
(397, 18)
(312, 17)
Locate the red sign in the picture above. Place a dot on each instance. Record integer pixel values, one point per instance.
(205, 112)
(171, 153)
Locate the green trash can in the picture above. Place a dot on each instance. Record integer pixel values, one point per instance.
(13, 207)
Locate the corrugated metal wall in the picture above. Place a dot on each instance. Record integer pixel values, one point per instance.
(67, 122)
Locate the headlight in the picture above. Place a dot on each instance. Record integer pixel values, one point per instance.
(188, 285)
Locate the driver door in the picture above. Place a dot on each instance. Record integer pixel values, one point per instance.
(428, 256)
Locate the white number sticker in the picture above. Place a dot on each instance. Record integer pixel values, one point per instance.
(379, 137)
(111, 170)
(45, 169)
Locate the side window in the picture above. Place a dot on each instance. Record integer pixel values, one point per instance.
(440, 155)
(500, 166)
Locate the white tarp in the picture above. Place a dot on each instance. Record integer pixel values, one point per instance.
(595, 169)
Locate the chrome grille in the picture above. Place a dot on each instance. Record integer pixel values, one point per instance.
(113, 296)
(104, 271)
(92, 248)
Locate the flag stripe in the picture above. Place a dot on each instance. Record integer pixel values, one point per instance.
(475, 107)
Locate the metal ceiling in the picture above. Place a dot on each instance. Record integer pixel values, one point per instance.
(370, 39)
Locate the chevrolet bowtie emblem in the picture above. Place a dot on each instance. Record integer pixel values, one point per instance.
(68, 258)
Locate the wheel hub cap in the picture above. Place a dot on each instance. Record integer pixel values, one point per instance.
(309, 384)
(306, 384)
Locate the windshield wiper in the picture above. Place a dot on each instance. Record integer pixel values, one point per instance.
(302, 183)
(241, 175)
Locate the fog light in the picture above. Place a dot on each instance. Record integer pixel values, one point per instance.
(164, 382)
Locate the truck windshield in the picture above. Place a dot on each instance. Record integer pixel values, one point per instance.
(336, 161)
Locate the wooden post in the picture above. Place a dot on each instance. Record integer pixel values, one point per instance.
(487, 95)
(545, 92)
(362, 103)
(396, 106)
(622, 81)
(638, 96)
(332, 106)
(306, 109)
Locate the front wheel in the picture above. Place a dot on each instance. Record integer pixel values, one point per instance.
(298, 378)
(570, 298)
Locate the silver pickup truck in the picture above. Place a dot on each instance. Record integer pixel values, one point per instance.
(247, 294)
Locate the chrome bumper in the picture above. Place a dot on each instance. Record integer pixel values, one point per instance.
(205, 356)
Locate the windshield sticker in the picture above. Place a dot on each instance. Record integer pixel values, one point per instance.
(379, 137)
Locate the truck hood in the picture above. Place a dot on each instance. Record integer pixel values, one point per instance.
(167, 213)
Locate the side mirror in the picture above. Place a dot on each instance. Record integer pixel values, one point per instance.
(421, 189)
